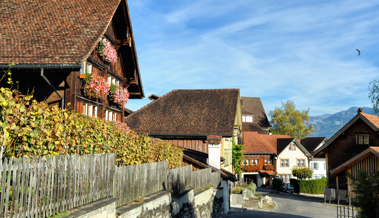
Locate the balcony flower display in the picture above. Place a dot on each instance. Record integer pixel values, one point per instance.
(118, 95)
(251, 168)
(268, 167)
(94, 86)
(107, 51)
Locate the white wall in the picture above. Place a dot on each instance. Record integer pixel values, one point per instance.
(292, 156)
(214, 155)
(321, 168)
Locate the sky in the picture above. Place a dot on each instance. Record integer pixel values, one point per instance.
(303, 51)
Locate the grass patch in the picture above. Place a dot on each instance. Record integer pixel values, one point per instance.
(62, 214)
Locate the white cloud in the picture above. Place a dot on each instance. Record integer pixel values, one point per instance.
(303, 51)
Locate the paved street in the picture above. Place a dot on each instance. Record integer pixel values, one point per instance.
(291, 205)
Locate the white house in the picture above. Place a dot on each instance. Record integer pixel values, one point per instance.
(318, 165)
(290, 153)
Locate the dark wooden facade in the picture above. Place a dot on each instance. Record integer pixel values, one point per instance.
(193, 144)
(69, 84)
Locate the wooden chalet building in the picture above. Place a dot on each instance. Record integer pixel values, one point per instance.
(54, 43)
(194, 120)
(355, 146)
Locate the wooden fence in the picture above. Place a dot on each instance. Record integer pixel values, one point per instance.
(179, 178)
(41, 187)
(137, 181)
(204, 177)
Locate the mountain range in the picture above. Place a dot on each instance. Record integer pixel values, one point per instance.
(328, 124)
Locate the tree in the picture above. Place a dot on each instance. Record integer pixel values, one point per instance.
(289, 121)
(237, 156)
(373, 94)
(366, 188)
(302, 172)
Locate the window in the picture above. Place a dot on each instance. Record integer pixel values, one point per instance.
(284, 177)
(266, 161)
(112, 80)
(89, 110)
(284, 163)
(292, 146)
(315, 167)
(301, 163)
(247, 118)
(362, 139)
(280, 177)
(324, 166)
(114, 117)
(245, 162)
(87, 68)
(255, 161)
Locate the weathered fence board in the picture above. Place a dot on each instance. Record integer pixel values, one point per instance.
(41, 187)
(131, 183)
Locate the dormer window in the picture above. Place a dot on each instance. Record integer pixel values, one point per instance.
(247, 118)
(362, 139)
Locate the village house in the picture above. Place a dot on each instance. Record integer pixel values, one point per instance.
(254, 115)
(203, 122)
(281, 151)
(355, 146)
(54, 45)
(317, 165)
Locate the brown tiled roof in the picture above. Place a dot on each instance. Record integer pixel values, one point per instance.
(252, 127)
(258, 143)
(253, 106)
(311, 143)
(188, 112)
(60, 32)
(371, 120)
(374, 119)
(224, 173)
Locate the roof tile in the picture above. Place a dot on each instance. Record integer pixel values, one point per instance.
(60, 32)
(192, 111)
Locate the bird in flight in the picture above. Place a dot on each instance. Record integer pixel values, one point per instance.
(359, 52)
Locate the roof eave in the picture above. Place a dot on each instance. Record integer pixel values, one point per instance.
(343, 129)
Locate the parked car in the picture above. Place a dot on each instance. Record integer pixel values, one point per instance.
(287, 188)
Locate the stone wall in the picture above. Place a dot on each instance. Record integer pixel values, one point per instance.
(104, 208)
(155, 205)
(207, 203)
(204, 204)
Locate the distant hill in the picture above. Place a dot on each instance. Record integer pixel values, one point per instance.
(328, 124)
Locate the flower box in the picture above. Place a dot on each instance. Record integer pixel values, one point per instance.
(107, 52)
(94, 86)
(118, 95)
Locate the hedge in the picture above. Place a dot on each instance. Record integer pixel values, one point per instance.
(314, 186)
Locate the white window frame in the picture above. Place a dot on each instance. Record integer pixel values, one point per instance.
(362, 139)
(90, 110)
(114, 116)
(106, 115)
(95, 111)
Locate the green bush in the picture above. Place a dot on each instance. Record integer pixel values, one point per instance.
(314, 186)
(302, 172)
(366, 188)
(237, 190)
(276, 184)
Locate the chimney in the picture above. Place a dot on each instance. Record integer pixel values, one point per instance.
(214, 150)
(153, 97)
(360, 110)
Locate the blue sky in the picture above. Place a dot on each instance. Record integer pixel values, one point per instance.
(304, 51)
